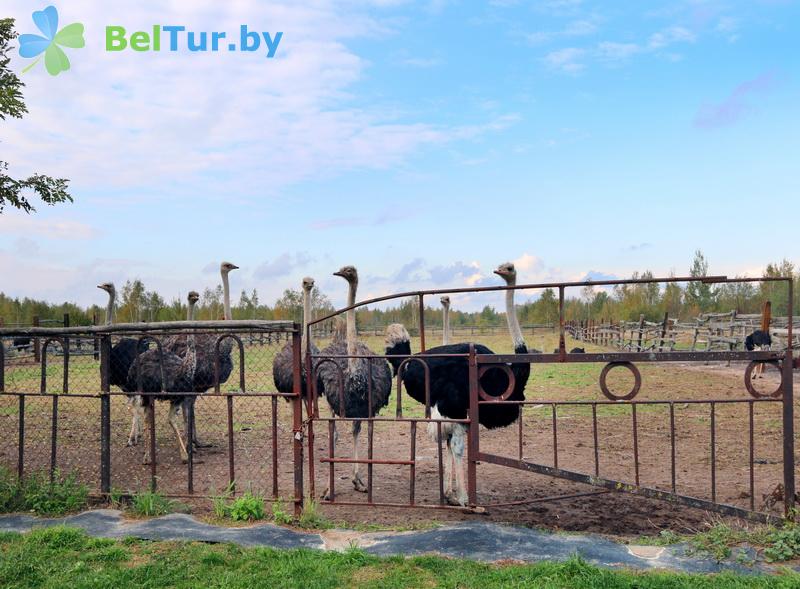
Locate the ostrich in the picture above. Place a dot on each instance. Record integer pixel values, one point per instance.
(283, 365)
(758, 339)
(351, 376)
(445, 320)
(164, 371)
(449, 386)
(123, 355)
(205, 350)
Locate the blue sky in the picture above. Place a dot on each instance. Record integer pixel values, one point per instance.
(423, 142)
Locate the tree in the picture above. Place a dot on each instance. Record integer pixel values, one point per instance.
(700, 294)
(12, 192)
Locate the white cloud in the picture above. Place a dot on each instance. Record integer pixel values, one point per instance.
(566, 60)
(56, 228)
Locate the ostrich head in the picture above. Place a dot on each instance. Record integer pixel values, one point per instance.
(308, 284)
(226, 267)
(507, 272)
(108, 287)
(445, 301)
(349, 273)
(193, 297)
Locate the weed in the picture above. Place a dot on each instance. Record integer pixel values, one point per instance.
(248, 507)
(151, 504)
(311, 518)
(36, 493)
(279, 514)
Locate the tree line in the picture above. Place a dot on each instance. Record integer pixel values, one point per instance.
(623, 302)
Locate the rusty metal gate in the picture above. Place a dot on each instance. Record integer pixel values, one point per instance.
(66, 414)
(678, 421)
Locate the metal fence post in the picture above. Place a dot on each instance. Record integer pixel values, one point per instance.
(474, 429)
(105, 414)
(297, 420)
(421, 323)
(788, 416)
(37, 345)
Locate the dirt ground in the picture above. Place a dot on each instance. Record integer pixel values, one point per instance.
(608, 513)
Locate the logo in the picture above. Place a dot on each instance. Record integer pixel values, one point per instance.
(55, 60)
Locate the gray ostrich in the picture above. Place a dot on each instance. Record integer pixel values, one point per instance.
(445, 319)
(351, 376)
(283, 365)
(164, 372)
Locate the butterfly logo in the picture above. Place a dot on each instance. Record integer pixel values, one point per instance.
(50, 44)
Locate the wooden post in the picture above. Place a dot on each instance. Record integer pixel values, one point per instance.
(641, 333)
(663, 332)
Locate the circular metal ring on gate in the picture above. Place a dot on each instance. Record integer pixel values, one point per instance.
(636, 385)
(511, 381)
(748, 380)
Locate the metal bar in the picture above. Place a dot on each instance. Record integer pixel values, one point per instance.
(231, 465)
(519, 430)
(713, 452)
(157, 326)
(672, 445)
(422, 347)
(635, 444)
(274, 447)
(151, 418)
(413, 456)
(331, 459)
(752, 458)
(53, 439)
(366, 461)
(606, 357)
(189, 406)
(561, 338)
(297, 418)
(21, 449)
(370, 443)
(596, 445)
(105, 413)
(441, 465)
(65, 346)
(555, 436)
(614, 485)
(474, 430)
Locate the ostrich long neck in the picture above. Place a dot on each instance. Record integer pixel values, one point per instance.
(511, 317)
(110, 308)
(190, 359)
(190, 311)
(306, 318)
(351, 325)
(226, 297)
(446, 326)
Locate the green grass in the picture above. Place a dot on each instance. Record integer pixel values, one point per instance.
(35, 493)
(773, 543)
(64, 557)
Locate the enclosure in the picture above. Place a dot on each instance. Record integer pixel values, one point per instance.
(604, 438)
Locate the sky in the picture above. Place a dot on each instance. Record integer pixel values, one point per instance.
(424, 142)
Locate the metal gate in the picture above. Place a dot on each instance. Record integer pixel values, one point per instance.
(697, 419)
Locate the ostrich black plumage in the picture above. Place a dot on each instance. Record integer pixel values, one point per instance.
(163, 371)
(205, 350)
(283, 365)
(763, 341)
(351, 377)
(123, 355)
(449, 386)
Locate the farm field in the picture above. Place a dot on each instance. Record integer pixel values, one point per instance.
(611, 513)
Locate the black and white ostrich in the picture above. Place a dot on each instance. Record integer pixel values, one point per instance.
(205, 350)
(351, 377)
(758, 339)
(283, 365)
(123, 355)
(167, 372)
(445, 300)
(449, 387)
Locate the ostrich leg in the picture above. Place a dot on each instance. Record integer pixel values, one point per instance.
(173, 421)
(459, 496)
(357, 482)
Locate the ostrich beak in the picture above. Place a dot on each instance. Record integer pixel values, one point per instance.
(499, 272)
(337, 273)
(234, 267)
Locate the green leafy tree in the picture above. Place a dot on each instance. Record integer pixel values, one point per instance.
(13, 191)
(700, 295)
